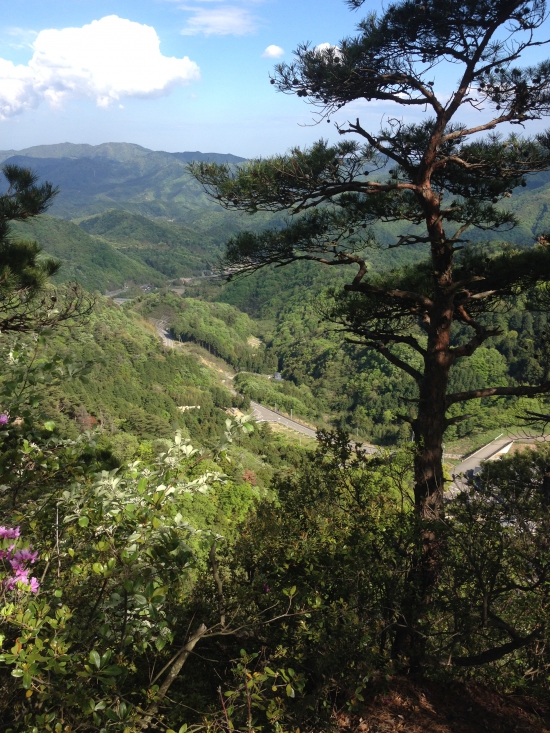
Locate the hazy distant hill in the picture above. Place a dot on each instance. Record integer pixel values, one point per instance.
(123, 152)
(95, 178)
(138, 204)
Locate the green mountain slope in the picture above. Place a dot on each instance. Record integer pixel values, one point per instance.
(94, 263)
(173, 250)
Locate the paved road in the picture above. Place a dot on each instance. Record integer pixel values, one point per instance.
(474, 461)
(261, 413)
(264, 414)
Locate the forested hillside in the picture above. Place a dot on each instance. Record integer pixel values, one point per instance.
(92, 261)
(173, 250)
(133, 241)
(241, 401)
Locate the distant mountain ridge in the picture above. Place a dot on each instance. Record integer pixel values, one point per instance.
(121, 152)
(131, 214)
(93, 179)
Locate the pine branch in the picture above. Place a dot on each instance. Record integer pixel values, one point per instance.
(392, 358)
(474, 394)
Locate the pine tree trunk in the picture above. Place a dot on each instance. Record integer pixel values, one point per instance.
(430, 423)
(409, 642)
(429, 428)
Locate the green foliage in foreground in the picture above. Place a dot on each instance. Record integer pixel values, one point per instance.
(296, 612)
(342, 539)
(291, 598)
(122, 557)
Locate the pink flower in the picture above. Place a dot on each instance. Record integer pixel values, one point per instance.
(21, 576)
(34, 585)
(9, 533)
(25, 555)
(4, 419)
(22, 581)
(18, 559)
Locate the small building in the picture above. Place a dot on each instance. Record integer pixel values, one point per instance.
(277, 377)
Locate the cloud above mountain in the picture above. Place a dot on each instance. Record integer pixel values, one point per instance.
(105, 60)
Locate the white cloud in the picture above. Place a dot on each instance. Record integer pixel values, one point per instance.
(273, 52)
(226, 20)
(105, 60)
(322, 49)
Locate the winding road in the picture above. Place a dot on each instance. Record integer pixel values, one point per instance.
(261, 413)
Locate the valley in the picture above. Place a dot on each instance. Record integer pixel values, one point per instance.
(275, 429)
(129, 220)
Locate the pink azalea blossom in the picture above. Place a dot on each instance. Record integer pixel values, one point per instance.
(21, 576)
(18, 559)
(34, 585)
(9, 533)
(22, 579)
(26, 555)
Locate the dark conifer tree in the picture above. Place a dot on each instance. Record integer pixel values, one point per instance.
(443, 175)
(28, 302)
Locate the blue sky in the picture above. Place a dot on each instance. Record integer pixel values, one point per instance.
(206, 86)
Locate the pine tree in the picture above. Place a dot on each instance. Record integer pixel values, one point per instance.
(28, 302)
(444, 179)
(441, 175)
